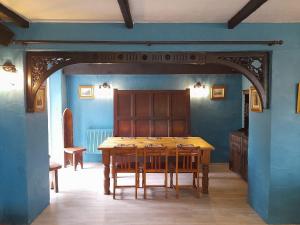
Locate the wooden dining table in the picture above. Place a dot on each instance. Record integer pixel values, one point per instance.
(170, 142)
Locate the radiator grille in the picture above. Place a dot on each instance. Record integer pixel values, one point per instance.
(94, 137)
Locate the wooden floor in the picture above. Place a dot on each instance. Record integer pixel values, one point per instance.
(81, 201)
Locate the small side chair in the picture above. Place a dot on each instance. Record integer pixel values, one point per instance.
(72, 155)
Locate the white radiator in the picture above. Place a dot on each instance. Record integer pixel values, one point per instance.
(94, 137)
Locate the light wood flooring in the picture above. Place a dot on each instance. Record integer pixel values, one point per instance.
(81, 201)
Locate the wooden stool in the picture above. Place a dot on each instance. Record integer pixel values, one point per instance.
(54, 167)
(73, 156)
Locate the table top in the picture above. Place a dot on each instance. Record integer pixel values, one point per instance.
(169, 142)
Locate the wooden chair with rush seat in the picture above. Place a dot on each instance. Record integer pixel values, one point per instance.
(72, 154)
(125, 160)
(188, 159)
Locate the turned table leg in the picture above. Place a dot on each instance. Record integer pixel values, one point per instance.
(106, 162)
(205, 179)
(205, 171)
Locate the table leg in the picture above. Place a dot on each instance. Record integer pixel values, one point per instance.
(106, 162)
(205, 179)
(205, 171)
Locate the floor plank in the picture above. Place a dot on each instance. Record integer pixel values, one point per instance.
(81, 201)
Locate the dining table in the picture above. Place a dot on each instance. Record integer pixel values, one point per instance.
(169, 142)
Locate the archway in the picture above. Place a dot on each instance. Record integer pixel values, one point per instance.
(253, 65)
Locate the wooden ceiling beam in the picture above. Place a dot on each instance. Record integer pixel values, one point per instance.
(125, 9)
(6, 35)
(245, 12)
(17, 19)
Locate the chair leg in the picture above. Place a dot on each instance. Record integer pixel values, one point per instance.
(65, 160)
(194, 180)
(198, 184)
(136, 184)
(56, 181)
(115, 184)
(81, 160)
(145, 185)
(166, 184)
(177, 185)
(75, 161)
(52, 180)
(171, 180)
(138, 179)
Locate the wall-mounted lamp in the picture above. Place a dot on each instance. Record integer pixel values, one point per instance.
(199, 90)
(9, 67)
(104, 86)
(8, 77)
(199, 85)
(104, 91)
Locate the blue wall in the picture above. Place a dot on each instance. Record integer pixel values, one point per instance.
(212, 120)
(274, 134)
(57, 102)
(13, 164)
(285, 138)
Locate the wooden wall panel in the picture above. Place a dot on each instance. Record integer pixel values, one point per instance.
(142, 104)
(125, 128)
(178, 105)
(179, 128)
(161, 104)
(161, 128)
(142, 128)
(124, 104)
(151, 113)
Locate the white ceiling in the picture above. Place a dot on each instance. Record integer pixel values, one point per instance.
(147, 11)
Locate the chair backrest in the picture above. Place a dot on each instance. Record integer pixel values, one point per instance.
(187, 157)
(124, 158)
(155, 157)
(68, 128)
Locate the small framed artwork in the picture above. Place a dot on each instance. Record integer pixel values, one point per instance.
(40, 100)
(255, 103)
(217, 92)
(298, 99)
(86, 92)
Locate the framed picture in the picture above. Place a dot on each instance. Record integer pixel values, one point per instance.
(86, 92)
(217, 92)
(40, 100)
(255, 103)
(298, 99)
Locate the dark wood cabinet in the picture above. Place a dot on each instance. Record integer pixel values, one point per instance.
(238, 161)
(157, 113)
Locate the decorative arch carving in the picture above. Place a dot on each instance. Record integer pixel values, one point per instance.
(40, 65)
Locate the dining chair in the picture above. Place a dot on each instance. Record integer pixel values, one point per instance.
(188, 158)
(125, 160)
(155, 161)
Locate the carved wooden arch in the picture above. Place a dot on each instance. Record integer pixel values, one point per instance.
(40, 65)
